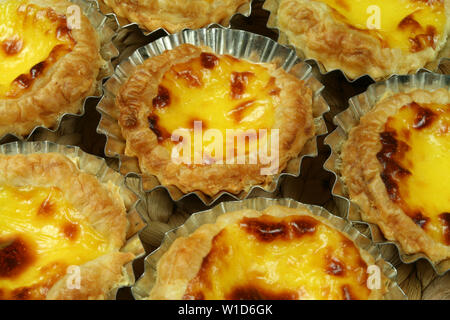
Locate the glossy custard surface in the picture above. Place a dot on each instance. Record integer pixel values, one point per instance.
(411, 25)
(32, 39)
(416, 159)
(41, 235)
(295, 257)
(218, 92)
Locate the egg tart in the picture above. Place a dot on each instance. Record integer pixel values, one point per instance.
(198, 106)
(61, 230)
(47, 65)
(395, 165)
(176, 15)
(277, 253)
(378, 38)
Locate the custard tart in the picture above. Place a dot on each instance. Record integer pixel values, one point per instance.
(396, 164)
(176, 15)
(61, 230)
(230, 123)
(47, 65)
(378, 38)
(278, 253)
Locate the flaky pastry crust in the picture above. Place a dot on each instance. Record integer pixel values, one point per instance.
(100, 203)
(175, 15)
(311, 27)
(61, 89)
(183, 260)
(361, 174)
(293, 117)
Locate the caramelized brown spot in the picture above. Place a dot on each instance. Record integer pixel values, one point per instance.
(70, 230)
(161, 133)
(251, 292)
(347, 293)
(46, 208)
(334, 266)
(12, 46)
(238, 112)
(15, 256)
(192, 80)
(392, 171)
(423, 41)
(303, 225)
(22, 294)
(209, 61)
(409, 23)
(267, 231)
(420, 219)
(445, 219)
(162, 99)
(239, 82)
(424, 118)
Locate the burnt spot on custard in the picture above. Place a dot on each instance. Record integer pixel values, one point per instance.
(238, 112)
(424, 118)
(425, 40)
(239, 82)
(12, 46)
(47, 208)
(190, 77)
(208, 60)
(70, 230)
(420, 219)
(253, 292)
(267, 230)
(392, 171)
(334, 266)
(445, 219)
(16, 255)
(162, 98)
(160, 133)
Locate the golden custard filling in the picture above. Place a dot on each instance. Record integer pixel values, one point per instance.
(41, 236)
(416, 162)
(295, 257)
(410, 25)
(213, 92)
(32, 39)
